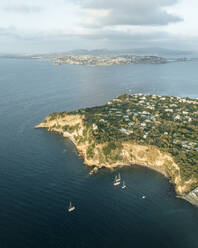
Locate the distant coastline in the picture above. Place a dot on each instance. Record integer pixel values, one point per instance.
(105, 57)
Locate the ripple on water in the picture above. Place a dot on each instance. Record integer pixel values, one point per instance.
(41, 172)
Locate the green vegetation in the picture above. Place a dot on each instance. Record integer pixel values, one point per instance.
(90, 151)
(53, 116)
(70, 129)
(169, 123)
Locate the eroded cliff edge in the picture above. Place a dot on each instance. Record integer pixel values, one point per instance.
(152, 131)
(127, 153)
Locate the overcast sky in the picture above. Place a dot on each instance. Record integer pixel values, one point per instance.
(61, 25)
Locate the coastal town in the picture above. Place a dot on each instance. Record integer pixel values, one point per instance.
(109, 59)
(99, 58)
(153, 111)
(142, 117)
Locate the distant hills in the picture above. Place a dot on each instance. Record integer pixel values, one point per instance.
(137, 51)
(150, 51)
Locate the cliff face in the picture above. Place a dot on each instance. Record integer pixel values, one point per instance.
(127, 153)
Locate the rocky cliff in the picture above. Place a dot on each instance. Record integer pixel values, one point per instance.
(73, 127)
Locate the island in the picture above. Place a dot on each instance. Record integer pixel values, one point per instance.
(105, 57)
(159, 132)
(105, 60)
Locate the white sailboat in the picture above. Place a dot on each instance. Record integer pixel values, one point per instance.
(123, 185)
(71, 208)
(116, 181)
(118, 177)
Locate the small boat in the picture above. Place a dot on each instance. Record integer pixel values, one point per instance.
(143, 197)
(94, 170)
(71, 208)
(116, 181)
(123, 185)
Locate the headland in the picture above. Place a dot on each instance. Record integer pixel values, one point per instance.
(159, 132)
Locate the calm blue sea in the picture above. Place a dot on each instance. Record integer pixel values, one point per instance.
(41, 172)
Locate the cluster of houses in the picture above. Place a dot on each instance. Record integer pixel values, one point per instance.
(187, 145)
(144, 112)
(108, 59)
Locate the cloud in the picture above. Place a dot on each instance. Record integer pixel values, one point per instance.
(14, 40)
(23, 9)
(128, 12)
(9, 32)
(96, 23)
(113, 36)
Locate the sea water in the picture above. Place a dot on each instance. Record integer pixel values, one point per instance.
(41, 172)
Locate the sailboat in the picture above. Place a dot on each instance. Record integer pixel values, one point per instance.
(116, 181)
(123, 185)
(118, 177)
(71, 208)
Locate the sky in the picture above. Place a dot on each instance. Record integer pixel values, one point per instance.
(30, 26)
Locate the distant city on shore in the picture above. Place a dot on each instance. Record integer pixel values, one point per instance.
(107, 57)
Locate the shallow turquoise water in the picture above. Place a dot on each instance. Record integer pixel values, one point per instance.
(40, 172)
